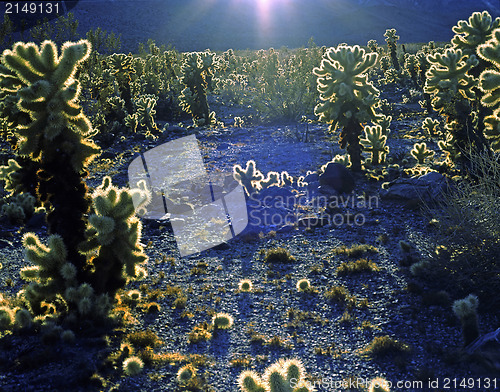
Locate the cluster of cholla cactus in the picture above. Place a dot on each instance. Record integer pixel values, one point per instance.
(348, 99)
(254, 181)
(453, 81)
(86, 259)
(284, 375)
(197, 76)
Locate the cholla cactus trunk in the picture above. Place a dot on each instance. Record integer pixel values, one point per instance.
(64, 194)
(349, 139)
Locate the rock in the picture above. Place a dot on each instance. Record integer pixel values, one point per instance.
(427, 188)
(311, 177)
(337, 177)
(313, 221)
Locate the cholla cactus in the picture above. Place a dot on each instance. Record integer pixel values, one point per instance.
(123, 68)
(249, 177)
(348, 98)
(284, 375)
(466, 310)
(477, 30)
(411, 66)
(12, 176)
(19, 207)
(372, 46)
(391, 38)
(113, 236)
(385, 122)
(420, 152)
(51, 273)
(430, 126)
(222, 321)
(197, 75)
(132, 122)
(454, 94)
(489, 83)
(374, 143)
(145, 115)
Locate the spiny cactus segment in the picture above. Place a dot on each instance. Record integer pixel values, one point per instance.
(374, 143)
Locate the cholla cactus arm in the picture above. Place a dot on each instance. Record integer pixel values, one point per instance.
(477, 30)
(132, 122)
(489, 83)
(411, 66)
(448, 76)
(249, 381)
(272, 179)
(391, 38)
(114, 235)
(430, 125)
(348, 98)
(50, 275)
(374, 143)
(248, 177)
(421, 153)
(385, 122)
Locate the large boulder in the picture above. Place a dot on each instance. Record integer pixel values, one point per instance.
(336, 176)
(427, 188)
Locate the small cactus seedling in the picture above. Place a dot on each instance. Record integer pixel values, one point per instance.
(132, 366)
(391, 38)
(374, 143)
(348, 98)
(185, 374)
(466, 310)
(284, 375)
(222, 321)
(303, 285)
(420, 152)
(245, 286)
(249, 177)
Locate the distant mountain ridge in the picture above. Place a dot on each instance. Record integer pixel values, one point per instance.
(221, 24)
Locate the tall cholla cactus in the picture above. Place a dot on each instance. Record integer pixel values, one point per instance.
(197, 74)
(123, 69)
(453, 90)
(145, 115)
(349, 99)
(489, 82)
(282, 376)
(56, 139)
(113, 238)
(391, 38)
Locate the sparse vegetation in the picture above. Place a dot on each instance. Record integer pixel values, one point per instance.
(73, 116)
